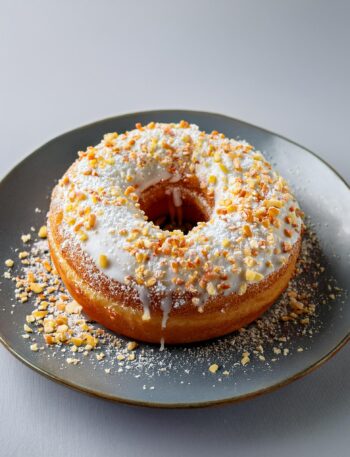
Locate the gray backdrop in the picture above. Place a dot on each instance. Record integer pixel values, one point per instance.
(283, 65)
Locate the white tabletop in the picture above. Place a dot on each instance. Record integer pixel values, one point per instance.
(281, 65)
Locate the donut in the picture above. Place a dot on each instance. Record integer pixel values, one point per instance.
(166, 233)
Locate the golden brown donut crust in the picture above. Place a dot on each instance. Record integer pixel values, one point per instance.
(118, 308)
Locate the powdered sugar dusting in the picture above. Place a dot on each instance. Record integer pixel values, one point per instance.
(55, 324)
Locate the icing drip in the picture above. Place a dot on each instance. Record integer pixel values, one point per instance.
(177, 201)
(166, 307)
(162, 346)
(177, 197)
(174, 205)
(175, 178)
(144, 299)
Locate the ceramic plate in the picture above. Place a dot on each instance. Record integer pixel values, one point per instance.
(179, 376)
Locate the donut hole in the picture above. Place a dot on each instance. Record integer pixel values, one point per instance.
(175, 207)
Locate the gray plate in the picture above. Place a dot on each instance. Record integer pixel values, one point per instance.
(322, 194)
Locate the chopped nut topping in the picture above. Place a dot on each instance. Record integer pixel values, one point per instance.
(251, 275)
(223, 168)
(103, 261)
(211, 289)
(83, 236)
(288, 233)
(273, 202)
(151, 282)
(91, 222)
(246, 231)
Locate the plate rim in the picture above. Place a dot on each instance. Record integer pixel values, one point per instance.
(177, 405)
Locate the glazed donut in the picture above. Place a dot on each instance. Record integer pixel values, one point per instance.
(167, 233)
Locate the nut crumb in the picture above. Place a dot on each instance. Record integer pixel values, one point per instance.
(36, 288)
(42, 232)
(73, 307)
(100, 356)
(245, 359)
(27, 328)
(132, 345)
(213, 368)
(9, 263)
(72, 361)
